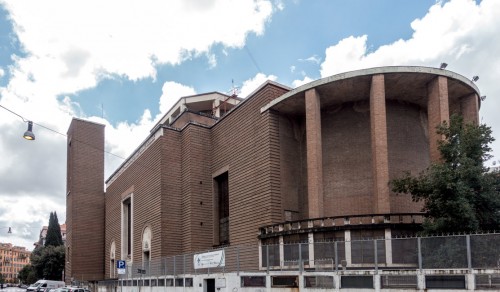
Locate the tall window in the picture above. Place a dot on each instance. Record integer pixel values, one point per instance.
(222, 183)
(146, 246)
(112, 268)
(127, 227)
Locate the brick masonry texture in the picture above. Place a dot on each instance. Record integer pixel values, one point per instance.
(358, 146)
(85, 201)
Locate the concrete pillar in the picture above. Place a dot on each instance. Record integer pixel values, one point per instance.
(437, 112)
(469, 106)
(282, 252)
(470, 282)
(314, 154)
(216, 106)
(347, 238)
(380, 160)
(310, 238)
(388, 246)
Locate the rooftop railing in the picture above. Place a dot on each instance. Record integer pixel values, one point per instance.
(342, 222)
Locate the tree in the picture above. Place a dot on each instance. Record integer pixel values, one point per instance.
(48, 260)
(27, 275)
(458, 192)
(54, 237)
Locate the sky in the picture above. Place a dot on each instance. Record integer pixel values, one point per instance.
(125, 63)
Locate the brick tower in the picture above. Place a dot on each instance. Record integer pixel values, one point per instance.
(85, 202)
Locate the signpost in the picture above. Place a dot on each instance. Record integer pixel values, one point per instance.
(121, 266)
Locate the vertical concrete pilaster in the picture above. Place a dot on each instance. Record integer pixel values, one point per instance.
(216, 105)
(282, 251)
(314, 154)
(347, 240)
(437, 112)
(310, 239)
(469, 106)
(388, 246)
(380, 160)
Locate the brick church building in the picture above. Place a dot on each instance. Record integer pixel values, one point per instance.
(282, 165)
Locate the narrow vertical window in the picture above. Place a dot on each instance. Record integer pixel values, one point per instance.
(112, 262)
(127, 227)
(222, 183)
(146, 246)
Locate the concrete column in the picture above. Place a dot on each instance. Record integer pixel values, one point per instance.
(314, 154)
(388, 246)
(437, 112)
(380, 161)
(282, 252)
(310, 237)
(469, 106)
(216, 105)
(347, 238)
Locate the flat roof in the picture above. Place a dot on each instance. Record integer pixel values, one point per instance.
(405, 83)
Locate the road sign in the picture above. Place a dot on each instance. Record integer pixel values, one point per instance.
(121, 264)
(121, 267)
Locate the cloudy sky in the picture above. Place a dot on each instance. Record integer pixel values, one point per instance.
(125, 63)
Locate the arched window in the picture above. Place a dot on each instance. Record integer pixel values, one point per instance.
(146, 245)
(112, 262)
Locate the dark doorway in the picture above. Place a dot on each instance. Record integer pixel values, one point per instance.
(209, 285)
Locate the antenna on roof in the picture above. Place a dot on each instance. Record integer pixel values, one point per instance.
(234, 90)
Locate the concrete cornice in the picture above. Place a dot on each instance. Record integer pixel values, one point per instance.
(372, 71)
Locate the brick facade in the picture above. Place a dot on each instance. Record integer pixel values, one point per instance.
(85, 201)
(327, 150)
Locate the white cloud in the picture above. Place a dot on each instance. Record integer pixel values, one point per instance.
(292, 69)
(279, 4)
(171, 92)
(2, 73)
(297, 83)
(76, 44)
(460, 32)
(212, 60)
(313, 59)
(251, 84)
(70, 47)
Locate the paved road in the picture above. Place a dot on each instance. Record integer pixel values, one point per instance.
(13, 289)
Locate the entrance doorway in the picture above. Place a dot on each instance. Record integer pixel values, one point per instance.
(209, 285)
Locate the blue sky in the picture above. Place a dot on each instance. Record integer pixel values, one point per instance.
(299, 31)
(124, 63)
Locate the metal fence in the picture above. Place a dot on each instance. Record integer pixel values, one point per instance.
(477, 251)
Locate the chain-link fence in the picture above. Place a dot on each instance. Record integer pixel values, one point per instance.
(479, 251)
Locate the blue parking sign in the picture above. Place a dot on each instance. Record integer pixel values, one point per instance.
(120, 264)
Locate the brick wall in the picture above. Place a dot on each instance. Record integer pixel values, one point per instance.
(85, 201)
(247, 143)
(197, 195)
(408, 148)
(141, 180)
(347, 175)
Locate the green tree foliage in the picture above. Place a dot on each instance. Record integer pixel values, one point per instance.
(48, 262)
(54, 237)
(459, 193)
(27, 275)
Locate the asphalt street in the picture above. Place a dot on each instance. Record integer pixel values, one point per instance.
(13, 289)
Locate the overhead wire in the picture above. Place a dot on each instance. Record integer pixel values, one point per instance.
(62, 134)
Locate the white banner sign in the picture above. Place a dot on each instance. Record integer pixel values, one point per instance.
(211, 259)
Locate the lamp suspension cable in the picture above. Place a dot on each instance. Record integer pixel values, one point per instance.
(28, 135)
